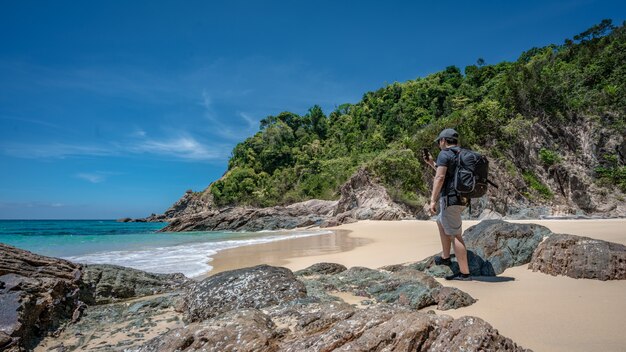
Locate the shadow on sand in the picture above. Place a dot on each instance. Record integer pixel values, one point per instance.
(493, 279)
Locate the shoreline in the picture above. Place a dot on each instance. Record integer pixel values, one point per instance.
(278, 253)
(536, 310)
(368, 237)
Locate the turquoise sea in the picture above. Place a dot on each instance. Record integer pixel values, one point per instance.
(136, 245)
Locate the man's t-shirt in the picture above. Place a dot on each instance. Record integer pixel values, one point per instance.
(447, 158)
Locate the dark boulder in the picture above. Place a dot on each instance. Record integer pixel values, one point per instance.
(254, 287)
(406, 287)
(580, 258)
(321, 269)
(104, 283)
(37, 294)
(492, 247)
(503, 245)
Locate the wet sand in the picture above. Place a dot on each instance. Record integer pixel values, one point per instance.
(538, 311)
(279, 253)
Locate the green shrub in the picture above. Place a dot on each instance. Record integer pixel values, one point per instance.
(613, 173)
(401, 173)
(549, 157)
(534, 183)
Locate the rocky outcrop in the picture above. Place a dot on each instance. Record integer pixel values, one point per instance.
(407, 287)
(103, 283)
(580, 258)
(239, 330)
(333, 327)
(190, 203)
(570, 181)
(255, 287)
(493, 246)
(267, 308)
(321, 269)
(339, 327)
(361, 198)
(40, 295)
(121, 326)
(305, 214)
(37, 294)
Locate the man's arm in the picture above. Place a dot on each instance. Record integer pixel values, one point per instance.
(440, 176)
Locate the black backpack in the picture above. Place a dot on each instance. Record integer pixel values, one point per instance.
(471, 174)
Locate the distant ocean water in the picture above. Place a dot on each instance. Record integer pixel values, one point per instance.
(135, 245)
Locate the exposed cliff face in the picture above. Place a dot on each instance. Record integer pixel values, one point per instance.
(190, 203)
(570, 181)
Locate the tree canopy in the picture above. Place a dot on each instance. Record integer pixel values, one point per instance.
(297, 157)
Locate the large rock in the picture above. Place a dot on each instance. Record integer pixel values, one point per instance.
(254, 287)
(363, 198)
(407, 287)
(580, 258)
(321, 269)
(384, 328)
(492, 247)
(247, 330)
(190, 203)
(502, 244)
(104, 283)
(333, 327)
(37, 294)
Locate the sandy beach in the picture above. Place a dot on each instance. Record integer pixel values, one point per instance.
(538, 311)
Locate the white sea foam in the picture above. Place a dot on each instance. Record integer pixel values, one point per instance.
(190, 259)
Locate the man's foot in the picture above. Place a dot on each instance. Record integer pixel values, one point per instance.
(460, 277)
(442, 261)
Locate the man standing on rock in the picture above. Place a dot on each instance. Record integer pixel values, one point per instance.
(451, 205)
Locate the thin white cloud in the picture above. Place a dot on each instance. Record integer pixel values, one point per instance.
(13, 205)
(218, 126)
(183, 147)
(91, 177)
(31, 121)
(252, 123)
(53, 150)
(139, 133)
(96, 177)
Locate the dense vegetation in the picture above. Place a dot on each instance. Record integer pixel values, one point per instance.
(293, 157)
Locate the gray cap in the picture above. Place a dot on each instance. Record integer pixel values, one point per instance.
(448, 133)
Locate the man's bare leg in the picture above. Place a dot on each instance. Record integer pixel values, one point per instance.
(446, 242)
(461, 254)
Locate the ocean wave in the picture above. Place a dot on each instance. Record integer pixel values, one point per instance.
(190, 259)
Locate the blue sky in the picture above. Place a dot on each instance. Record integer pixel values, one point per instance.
(114, 108)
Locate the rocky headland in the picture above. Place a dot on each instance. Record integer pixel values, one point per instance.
(50, 304)
(362, 197)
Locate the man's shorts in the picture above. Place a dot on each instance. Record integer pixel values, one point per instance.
(450, 218)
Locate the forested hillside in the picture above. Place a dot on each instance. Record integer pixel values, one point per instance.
(552, 123)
